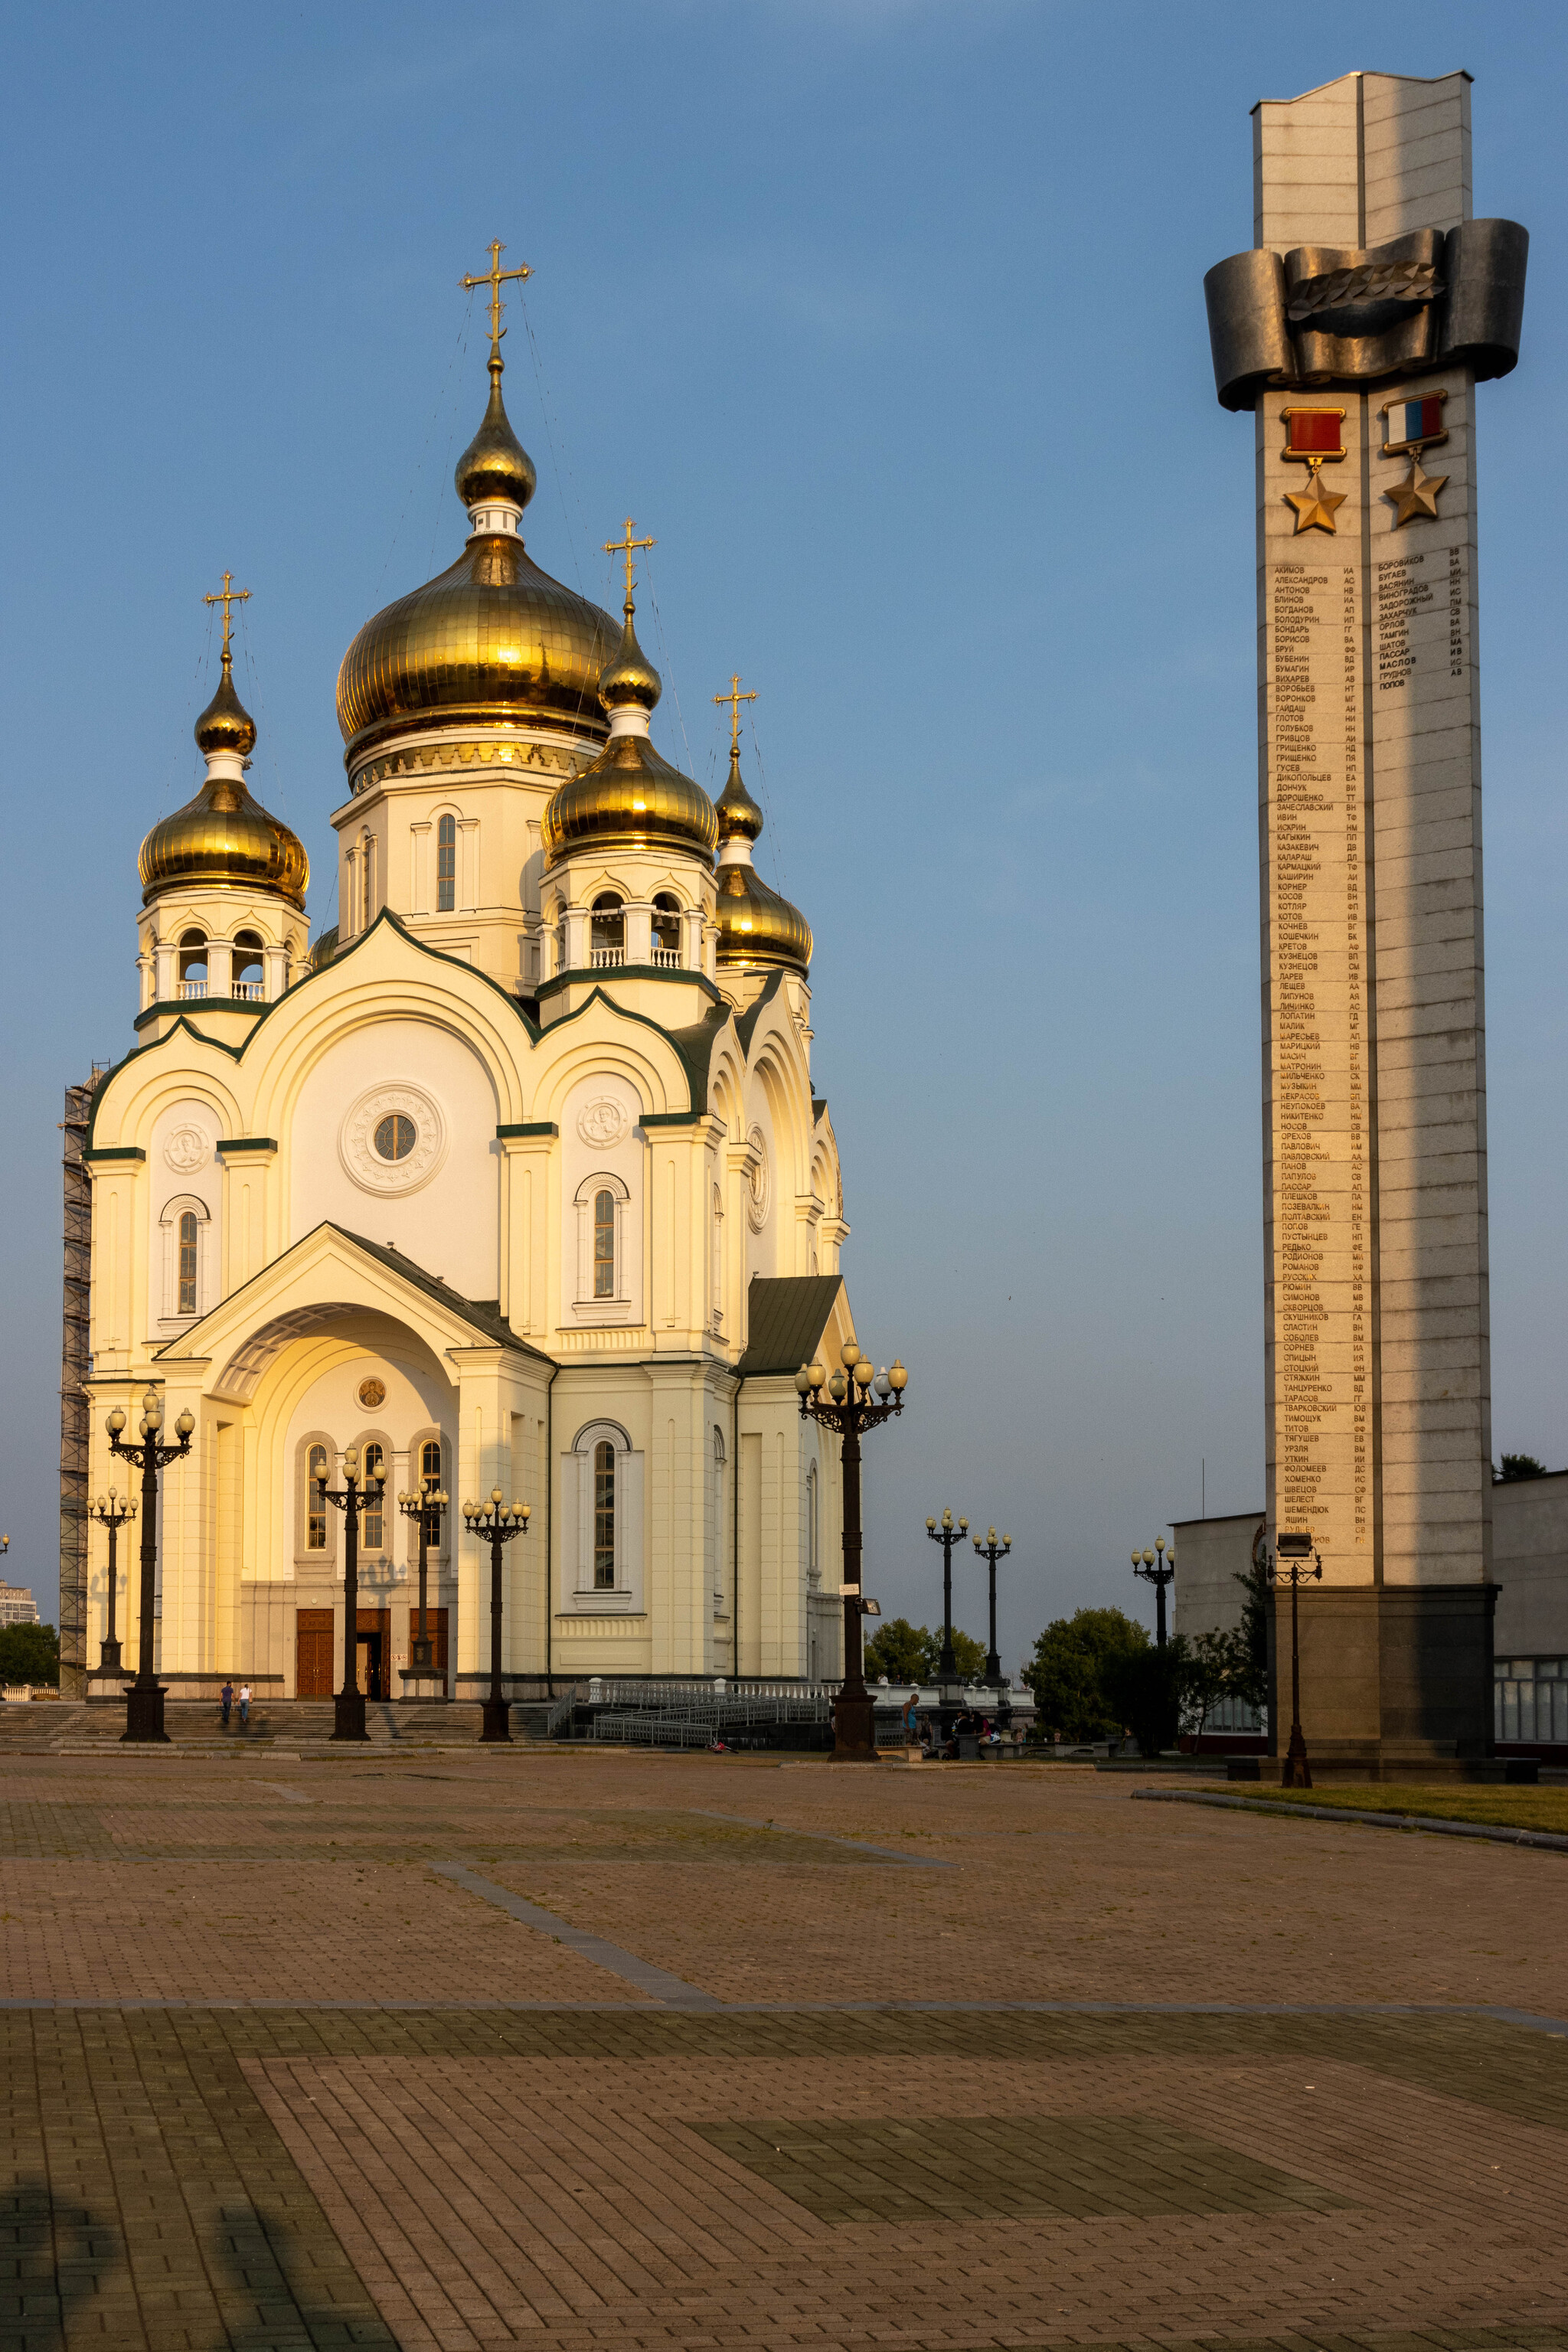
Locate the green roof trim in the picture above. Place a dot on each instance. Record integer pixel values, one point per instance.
(248, 1143)
(818, 1107)
(786, 1319)
(209, 1004)
(528, 1126)
(746, 1022)
(673, 1118)
(627, 971)
(115, 1152)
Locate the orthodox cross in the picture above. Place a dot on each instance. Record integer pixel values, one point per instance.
(495, 278)
(734, 698)
(227, 596)
(627, 547)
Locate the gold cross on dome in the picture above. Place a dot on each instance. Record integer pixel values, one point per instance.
(495, 278)
(734, 698)
(228, 594)
(627, 547)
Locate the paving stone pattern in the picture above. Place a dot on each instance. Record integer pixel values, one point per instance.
(269, 2078)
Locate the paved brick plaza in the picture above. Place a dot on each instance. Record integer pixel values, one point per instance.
(588, 2049)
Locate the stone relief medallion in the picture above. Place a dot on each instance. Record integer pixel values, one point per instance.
(187, 1150)
(393, 1139)
(761, 1191)
(603, 1121)
(372, 1393)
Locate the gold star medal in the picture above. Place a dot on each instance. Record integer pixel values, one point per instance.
(1315, 437)
(1411, 427)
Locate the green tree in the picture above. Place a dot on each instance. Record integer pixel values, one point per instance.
(1207, 1669)
(1519, 1466)
(30, 1654)
(1068, 1669)
(1248, 1658)
(1144, 1688)
(909, 1653)
(899, 1650)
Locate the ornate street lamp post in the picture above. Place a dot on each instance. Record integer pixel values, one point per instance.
(1297, 1773)
(849, 1408)
(992, 1551)
(144, 1698)
(111, 1511)
(426, 1506)
(496, 1523)
(1157, 1568)
(351, 1498)
(947, 1535)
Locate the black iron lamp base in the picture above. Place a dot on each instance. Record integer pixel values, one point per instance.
(498, 1721)
(110, 1662)
(854, 1729)
(422, 1657)
(348, 1708)
(144, 1713)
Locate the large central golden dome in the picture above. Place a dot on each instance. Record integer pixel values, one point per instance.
(494, 638)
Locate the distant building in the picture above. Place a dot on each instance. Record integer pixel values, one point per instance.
(18, 1606)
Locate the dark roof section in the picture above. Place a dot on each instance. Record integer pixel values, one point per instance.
(785, 1320)
(746, 1022)
(484, 1314)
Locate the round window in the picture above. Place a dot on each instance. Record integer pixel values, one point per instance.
(395, 1137)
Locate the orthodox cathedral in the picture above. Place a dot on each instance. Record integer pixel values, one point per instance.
(514, 1178)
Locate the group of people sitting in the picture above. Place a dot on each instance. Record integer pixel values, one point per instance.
(968, 1724)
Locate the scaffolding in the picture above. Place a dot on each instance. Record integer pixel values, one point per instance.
(76, 1364)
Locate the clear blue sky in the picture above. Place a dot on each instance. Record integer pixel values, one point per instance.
(887, 320)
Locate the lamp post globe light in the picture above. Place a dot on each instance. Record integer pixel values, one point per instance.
(425, 1506)
(1296, 1549)
(1157, 1568)
(992, 1551)
(947, 1535)
(144, 1697)
(352, 1497)
(111, 1511)
(497, 1523)
(856, 1399)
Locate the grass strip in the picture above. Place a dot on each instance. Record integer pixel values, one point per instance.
(1343, 1805)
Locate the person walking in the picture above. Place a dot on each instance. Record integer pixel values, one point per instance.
(225, 1700)
(244, 1705)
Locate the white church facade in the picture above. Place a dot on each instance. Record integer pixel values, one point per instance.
(515, 1179)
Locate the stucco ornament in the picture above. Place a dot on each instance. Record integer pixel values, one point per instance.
(187, 1150)
(761, 1191)
(372, 1393)
(393, 1139)
(603, 1121)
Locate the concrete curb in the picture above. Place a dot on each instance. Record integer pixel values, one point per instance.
(1432, 1822)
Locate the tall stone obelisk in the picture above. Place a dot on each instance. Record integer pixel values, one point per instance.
(1354, 332)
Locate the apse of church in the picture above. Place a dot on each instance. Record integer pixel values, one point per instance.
(514, 1178)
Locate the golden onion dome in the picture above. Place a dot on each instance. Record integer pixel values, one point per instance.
(492, 640)
(226, 725)
(631, 681)
(324, 948)
(739, 815)
(223, 836)
(629, 795)
(756, 926)
(495, 465)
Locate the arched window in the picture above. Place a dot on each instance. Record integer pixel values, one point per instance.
(666, 928)
(446, 864)
(366, 880)
(603, 1243)
(721, 1516)
(606, 932)
(318, 1469)
(373, 1527)
(604, 1517)
(429, 1482)
(247, 980)
(193, 963)
(718, 1259)
(187, 1276)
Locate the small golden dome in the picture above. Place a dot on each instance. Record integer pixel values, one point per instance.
(324, 948)
(631, 680)
(223, 836)
(629, 795)
(738, 812)
(756, 926)
(495, 465)
(226, 725)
